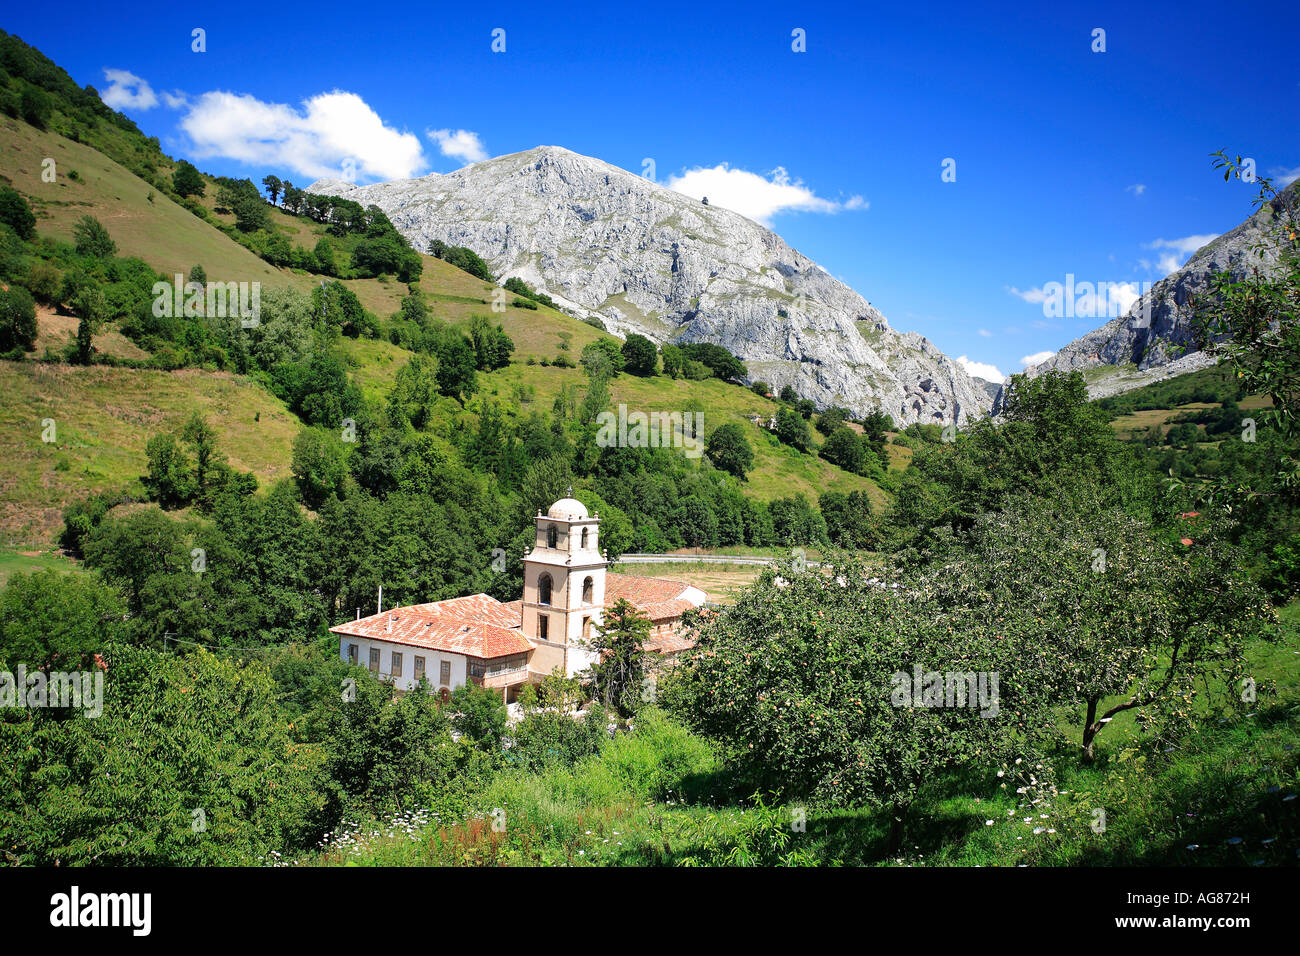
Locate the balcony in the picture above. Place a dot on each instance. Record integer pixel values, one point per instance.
(496, 677)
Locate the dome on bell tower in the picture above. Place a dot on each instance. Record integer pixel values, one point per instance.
(567, 508)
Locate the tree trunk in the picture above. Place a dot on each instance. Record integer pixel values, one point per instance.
(1090, 730)
(897, 825)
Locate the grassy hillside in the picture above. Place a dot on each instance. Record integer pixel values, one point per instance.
(1160, 404)
(55, 332)
(103, 417)
(157, 230)
(1141, 421)
(778, 470)
(1213, 385)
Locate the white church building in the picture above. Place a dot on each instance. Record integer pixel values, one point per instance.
(500, 645)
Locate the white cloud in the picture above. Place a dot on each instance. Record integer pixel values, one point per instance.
(1178, 251)
(985, 333)
(1037, 296)
(1036, 358)
(318, 140)
(175, 100)
(459, 144)
(1186, 245)
(1125, 293)
(1283, 176)
(1097, 299)
(126, 91)
(982, 370)
(1137, 189)
(751, 195)
(1168, 263)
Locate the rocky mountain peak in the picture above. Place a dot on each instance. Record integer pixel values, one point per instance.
(605, 242)
(1154, 339)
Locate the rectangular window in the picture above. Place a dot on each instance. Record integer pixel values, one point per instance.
(397, 664)
(444, 672)
(419, 667)
(543, 627)
(352, 653)
(374, 660)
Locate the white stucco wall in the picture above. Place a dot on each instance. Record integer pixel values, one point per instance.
(406, 679)
(695, 595)
(579, 660)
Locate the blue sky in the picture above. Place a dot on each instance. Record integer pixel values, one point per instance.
(1067, 161)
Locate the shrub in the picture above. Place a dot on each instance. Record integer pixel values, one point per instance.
(792, 429)
(45, 283)
(35, 105)
(16, 213)
(729, 450)
(17, 320)
(719, 361)
(845, 448)
(93, 239)
(640, 355)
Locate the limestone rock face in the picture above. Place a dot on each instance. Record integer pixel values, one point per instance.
(642, 258)
(1154, 340)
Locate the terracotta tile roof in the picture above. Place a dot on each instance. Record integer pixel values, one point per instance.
(641, 591)
(665, 610)
(668, 644)
(475, 609)
(476, 626)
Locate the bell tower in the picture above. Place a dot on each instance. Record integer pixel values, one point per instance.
(564, 587)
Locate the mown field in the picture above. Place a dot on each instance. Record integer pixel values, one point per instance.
(1140, 422)
(722, 582)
